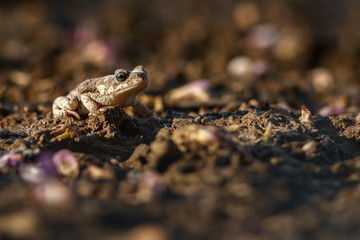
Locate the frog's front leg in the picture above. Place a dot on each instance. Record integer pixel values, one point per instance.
(89, 103)
(65, 106)
(142, 109)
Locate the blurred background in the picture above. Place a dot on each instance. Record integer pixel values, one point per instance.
(285, 52)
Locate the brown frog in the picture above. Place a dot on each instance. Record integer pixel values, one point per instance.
(118, 89)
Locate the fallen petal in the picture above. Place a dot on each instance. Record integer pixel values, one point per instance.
(240, 66)
(44, 161)
(263, 36)
(152, 181)
(196, 91)
(331, 110)
(66, 163)
(53, 192)
(32, 173)
(12, 160)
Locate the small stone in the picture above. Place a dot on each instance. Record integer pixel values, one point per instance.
(309, 148)
(267, 138)
(197, 91)
(158, 104)
(147, 232)
(98, 173)
(246, 15)
(22, 79)
(321, 79)
(53, 192)
(306, 117)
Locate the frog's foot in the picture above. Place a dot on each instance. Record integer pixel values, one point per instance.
(65, 106)
(100, 111)
(65, 113)
(142, 109)
(95, 114)
(103, 109)
(72, 113)
(64, 132)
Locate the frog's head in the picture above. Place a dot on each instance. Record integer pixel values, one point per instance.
(131, 81)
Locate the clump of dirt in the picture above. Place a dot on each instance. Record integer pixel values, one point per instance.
(244, 166)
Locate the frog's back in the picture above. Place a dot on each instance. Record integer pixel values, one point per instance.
(88, 85)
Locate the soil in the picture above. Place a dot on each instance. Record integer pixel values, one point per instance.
(256, 131)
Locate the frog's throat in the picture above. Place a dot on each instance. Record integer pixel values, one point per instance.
(127, 87)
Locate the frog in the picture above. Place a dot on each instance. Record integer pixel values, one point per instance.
(94, 95)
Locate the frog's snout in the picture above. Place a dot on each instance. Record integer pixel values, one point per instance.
(140, 72)
(140, 69)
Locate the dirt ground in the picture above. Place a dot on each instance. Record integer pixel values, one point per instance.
(255, 133)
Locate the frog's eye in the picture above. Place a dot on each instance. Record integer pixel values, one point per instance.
(120, 76)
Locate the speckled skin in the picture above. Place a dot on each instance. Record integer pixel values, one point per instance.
(118, 89)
